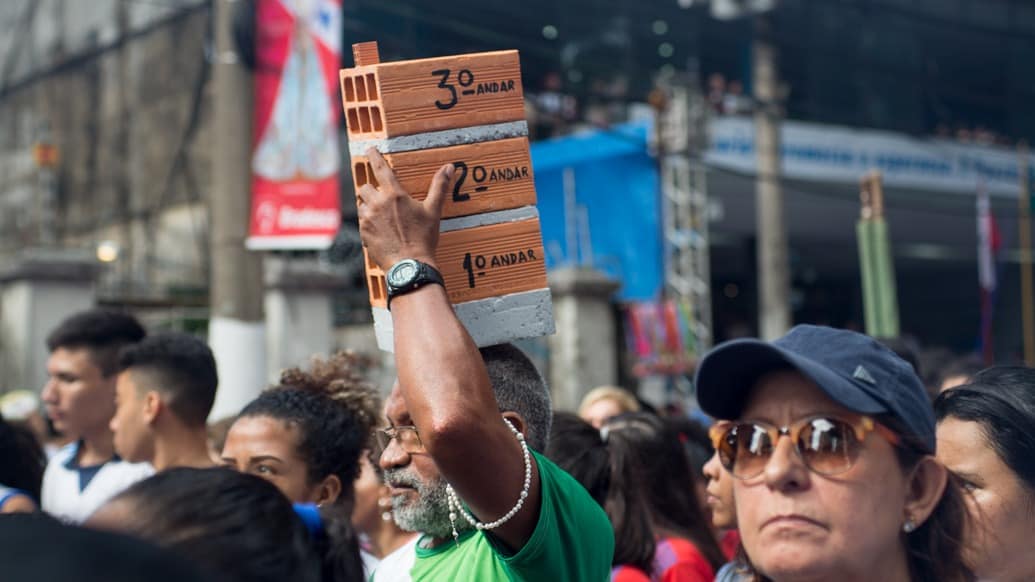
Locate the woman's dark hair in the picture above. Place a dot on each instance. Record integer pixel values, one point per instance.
(576, 447)
(22, 461)
(36, 547)
(934, 550)
(1001, 400)
(334, 410)
(237, 527)
(652, 491)
(694, 438)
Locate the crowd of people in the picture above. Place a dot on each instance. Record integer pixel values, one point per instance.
(728, 97)
(977, 135)
(824, 457)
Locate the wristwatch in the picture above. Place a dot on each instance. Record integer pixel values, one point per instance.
(410, 274)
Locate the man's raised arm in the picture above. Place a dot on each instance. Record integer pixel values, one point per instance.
(441, 373)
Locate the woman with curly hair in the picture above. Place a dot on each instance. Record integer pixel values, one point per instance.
(306, 434)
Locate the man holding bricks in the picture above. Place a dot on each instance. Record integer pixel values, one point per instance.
(455, 452)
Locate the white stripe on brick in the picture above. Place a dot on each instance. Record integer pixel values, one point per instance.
(487, 218)
(490, 321)
(441, 139)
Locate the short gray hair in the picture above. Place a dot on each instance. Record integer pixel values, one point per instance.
(520, 388)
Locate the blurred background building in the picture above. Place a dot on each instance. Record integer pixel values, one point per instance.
(106, 147)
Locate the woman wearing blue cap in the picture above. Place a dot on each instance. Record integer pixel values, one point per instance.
(832, 449)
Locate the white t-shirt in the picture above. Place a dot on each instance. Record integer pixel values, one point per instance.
(72, 493)
(370, 563)
(397, 565)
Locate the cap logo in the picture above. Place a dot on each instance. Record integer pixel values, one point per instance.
(863, 374)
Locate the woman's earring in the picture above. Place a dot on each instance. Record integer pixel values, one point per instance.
(386, 516)
(909, 526)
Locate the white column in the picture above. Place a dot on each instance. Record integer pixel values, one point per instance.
(299, 317)
(583, 352)
(38, 290)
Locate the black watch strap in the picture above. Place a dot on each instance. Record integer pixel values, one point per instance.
(416, 274)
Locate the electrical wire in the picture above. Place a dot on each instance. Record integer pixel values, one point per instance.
(18, 43)
(79, 60)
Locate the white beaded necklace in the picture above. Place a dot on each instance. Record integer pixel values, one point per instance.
(454, 501)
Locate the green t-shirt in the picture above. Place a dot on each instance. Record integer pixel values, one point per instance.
(572, 542)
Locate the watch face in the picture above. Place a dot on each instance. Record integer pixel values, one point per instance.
(402, 273)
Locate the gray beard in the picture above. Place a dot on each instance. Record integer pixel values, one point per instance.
(429, 512)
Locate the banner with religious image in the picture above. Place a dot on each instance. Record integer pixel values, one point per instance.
(295, 153)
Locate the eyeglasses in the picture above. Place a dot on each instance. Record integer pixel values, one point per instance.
(406, 436)
(827, 445)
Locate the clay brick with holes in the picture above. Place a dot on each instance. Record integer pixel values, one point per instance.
(482, 262)
(376, 284)
(383, 100)
(490, 176)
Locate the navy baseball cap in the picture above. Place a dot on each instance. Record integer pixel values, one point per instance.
(853, 369)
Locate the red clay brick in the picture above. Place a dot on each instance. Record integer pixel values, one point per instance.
(491, 176)
(366, 53)
(408, 97)
(482, 262)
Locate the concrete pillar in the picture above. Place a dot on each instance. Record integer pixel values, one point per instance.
(583, 352)
(39, 289)
(235, 331)
(299, 312)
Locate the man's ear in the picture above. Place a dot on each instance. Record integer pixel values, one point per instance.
(925, 488)
(518, 422)
(329, 490)
(153, 406)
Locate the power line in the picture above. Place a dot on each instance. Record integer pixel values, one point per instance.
(18, 43)
(77, 61)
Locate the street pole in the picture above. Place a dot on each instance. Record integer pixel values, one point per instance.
(773, 265)
(1024, 227)
(236, 328)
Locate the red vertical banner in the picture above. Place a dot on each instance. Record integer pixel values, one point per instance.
(295, 149)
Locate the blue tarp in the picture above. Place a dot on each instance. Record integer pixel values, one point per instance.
(617, 181)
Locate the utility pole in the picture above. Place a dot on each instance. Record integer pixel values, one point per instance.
(236, 330)
(773, 264)
(133, 277)
(1024, 228)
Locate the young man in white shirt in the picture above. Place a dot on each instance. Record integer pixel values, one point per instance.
(80, 401)
(164, 392)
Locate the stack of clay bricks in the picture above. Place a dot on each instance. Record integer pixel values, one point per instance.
(466, 110)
